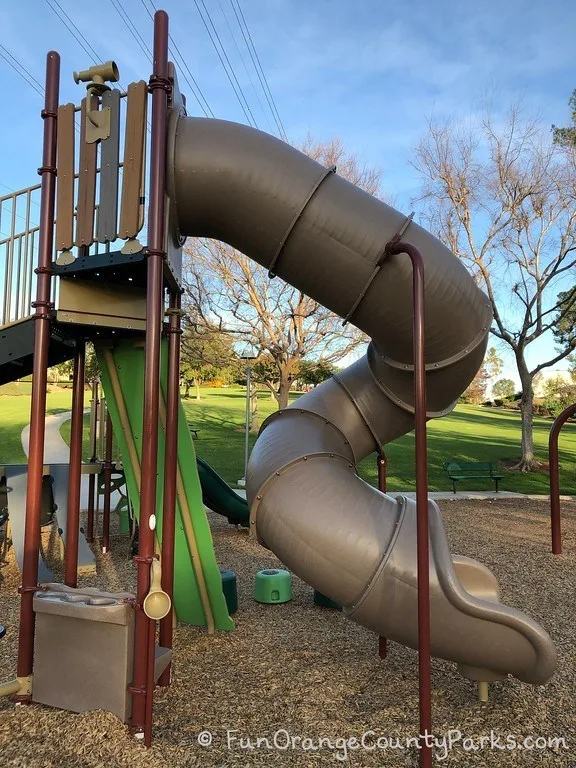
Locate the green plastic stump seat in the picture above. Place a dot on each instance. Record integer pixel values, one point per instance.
(273, 585)
(230, 589)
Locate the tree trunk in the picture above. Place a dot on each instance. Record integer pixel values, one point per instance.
(527, 461)
(283, 392)
(197, 385)
(255, 421)
(186, 390)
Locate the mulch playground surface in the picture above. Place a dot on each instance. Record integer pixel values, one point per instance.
(305, 681)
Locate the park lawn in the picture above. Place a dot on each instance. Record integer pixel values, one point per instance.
(15, 415)
(470, 433)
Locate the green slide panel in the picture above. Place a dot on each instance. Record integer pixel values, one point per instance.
(129, 364)
(219, 497)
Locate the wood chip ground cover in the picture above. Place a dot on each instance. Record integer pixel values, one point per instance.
(311, 672)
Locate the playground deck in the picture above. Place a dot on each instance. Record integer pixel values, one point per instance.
(315, 673)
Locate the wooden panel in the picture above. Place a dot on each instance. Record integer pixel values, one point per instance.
(109, 159)
(86, 183)
(134, 152)
(65, 179)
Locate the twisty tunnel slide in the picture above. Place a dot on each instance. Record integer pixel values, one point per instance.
(326, 237)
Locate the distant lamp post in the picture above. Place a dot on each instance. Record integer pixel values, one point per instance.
(247, 355)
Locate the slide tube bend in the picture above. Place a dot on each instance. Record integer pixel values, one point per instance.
(327, 238)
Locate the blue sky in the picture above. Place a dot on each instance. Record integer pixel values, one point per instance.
(369, 72)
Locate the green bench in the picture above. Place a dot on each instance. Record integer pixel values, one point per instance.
(472, 470)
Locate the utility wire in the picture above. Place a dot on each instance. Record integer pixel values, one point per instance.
(77, 34)
(21, 70)
(192, 82)
(228, 68)
(243, 60)
(132, 29)
(258, 66)
(73, 29)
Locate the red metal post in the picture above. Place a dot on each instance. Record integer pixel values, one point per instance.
(170, 471)
(75, 467)
(382, 465)
(423, 554)
(43, 308)
(91, 477)
(108, 466)
(143, 647)
(382, 647)
(555, 520)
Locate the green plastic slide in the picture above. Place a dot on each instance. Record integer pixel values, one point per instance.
(129, 364)
(219, 497)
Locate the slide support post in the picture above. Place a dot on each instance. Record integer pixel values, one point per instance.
(93, 451)
(170, 472)
(144, 650)
(43, 307)
(396, 246)
(382, 465)
(555, 519)
(108, 464)
(75, 467)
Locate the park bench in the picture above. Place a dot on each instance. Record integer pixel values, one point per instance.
(472, 470)
(194, 431)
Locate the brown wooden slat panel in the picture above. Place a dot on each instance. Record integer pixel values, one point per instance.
(65, 179)
(86, 184)
(109, 159)
(134, 150)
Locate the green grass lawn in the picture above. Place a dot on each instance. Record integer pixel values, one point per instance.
(15, 414)
(470, 433)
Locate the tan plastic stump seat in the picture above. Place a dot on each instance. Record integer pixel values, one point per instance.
(84, 646)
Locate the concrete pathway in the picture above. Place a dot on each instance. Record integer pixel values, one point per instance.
(464, 495)
(56, 451)
(55, 447)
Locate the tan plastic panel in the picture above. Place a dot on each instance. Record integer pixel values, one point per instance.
(65, 178)
(134, 157)
(109, 171)
(86, 182)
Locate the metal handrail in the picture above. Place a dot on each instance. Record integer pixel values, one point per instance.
(19, 192)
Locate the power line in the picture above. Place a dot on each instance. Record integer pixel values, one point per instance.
(63, 16)
(192, 82)
(243, 60)
(231, 75)
(23, 72)
(132, 29)
(77, 34)
(258, 67)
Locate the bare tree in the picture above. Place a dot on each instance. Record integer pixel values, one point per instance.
(226, 291)
(232, 294)
(503, 198)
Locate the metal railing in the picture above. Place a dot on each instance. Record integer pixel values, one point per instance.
(19, 232)
(18, 252)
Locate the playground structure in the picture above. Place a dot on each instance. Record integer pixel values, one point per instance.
(385, 560)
